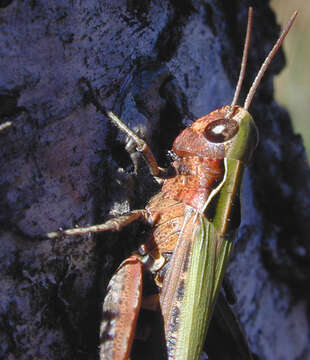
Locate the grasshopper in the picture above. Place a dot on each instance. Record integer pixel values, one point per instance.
(193, 220)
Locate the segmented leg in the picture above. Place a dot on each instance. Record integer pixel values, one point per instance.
(115, 224)
(141, 145)
(120, 310)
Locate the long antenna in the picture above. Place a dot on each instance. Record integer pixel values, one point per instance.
(267, 61)
(244, 57)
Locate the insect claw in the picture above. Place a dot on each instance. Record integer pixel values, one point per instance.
(5, 125)
(159, 180)
(54, 234)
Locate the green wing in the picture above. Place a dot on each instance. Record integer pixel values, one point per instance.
(210, 254)
(197, 269)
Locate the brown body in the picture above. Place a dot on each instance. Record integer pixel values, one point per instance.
(174, 214)
(188, 191)
(196, 178)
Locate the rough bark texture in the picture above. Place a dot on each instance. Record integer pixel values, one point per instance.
(158, 65)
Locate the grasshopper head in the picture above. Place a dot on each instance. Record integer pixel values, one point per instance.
(224, 133)
(229, 132)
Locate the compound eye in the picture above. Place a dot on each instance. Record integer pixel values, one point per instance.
(221, 130)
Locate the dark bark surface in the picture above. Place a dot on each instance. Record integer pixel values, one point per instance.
(158, 65)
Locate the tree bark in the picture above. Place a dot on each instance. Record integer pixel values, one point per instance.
(158, 65)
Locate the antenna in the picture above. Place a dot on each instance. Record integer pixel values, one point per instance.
(267, 61)
(244, 57)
